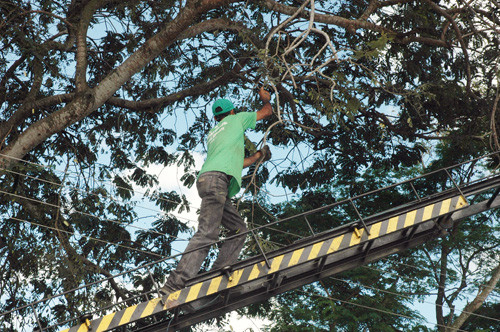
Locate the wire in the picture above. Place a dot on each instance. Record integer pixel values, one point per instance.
(29, 162)
(409, 297)
(90, 238)
(120, 274)
(91, 193)
(92, 215)
(323, 208)
(96, 195)
(422, 269)
(63, 172)
(263, 226)
(115, 276)
(372, 308)
(405, 277)
(137, 227)
(88, 285)
(111, 277)
(169, 322)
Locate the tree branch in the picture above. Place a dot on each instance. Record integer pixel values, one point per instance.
(81, 43)
(393, 2)
(7, 75)
(352, 25)
(459, 37)
(153, 105)
(383, 119)
(322, 18)
(478, 300)
(22, 112)
(372, 6)
(86, 102)
(49, 14)
(441, 283)
(73, 256)
(212, 25)
(494, 143)
(206, 26)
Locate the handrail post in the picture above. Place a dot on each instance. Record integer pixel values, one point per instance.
(37, 319)
(415, 191)
(455, 184)
(359, 216)
(154, 283)
(308, 224)
(260, 248)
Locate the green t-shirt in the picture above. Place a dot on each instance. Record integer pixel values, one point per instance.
(226, 147)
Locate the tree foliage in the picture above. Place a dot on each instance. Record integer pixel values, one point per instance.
(94, 93)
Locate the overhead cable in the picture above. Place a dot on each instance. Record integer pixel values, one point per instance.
(374, 309)
(90, 238)
(91, 215)
(408, 297)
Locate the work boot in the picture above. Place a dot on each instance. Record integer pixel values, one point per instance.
(165, 290)
(167, 301)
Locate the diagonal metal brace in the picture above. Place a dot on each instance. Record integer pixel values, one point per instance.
(495, 194)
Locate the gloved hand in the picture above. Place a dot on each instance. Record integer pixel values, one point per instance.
(266, 153)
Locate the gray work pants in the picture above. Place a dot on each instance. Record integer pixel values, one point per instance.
(216, 209)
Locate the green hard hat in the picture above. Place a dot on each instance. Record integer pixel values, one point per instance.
(222, 106)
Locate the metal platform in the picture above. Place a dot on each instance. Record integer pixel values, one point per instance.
(259, 278)
(394, 227)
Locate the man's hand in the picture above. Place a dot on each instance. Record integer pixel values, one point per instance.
(267, 109)
(264, 95)
(266, 153)
(263, 154)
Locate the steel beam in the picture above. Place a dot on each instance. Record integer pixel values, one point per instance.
(306, 261)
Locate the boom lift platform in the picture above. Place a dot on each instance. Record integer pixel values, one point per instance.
(310, 259)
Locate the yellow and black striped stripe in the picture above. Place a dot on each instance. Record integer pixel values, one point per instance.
(281, 262)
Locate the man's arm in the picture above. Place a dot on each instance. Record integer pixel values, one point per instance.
(264, 112)
(264, 154)
(252, 159)
(267, 109)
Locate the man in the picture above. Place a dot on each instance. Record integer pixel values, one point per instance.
(218, 181)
